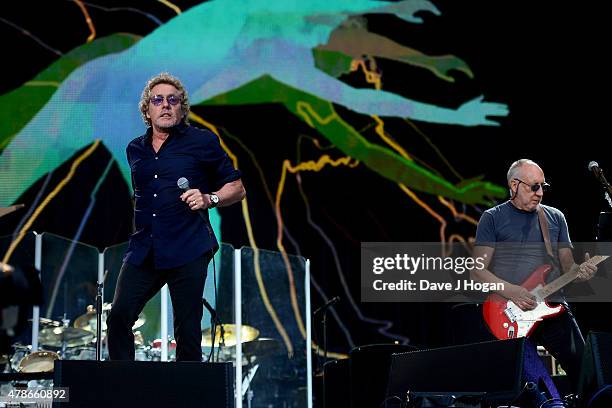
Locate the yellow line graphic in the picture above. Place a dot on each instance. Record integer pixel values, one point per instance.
(92, 29)
(172, 6)
(304, 166)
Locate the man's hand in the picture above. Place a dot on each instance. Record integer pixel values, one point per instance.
(586, 270)
(195, 199)
(520, 296)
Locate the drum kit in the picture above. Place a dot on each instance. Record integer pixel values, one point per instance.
(60, 340)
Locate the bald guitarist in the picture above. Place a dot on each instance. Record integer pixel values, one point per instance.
(515, 239)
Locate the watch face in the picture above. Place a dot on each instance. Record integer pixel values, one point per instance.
(214, 198)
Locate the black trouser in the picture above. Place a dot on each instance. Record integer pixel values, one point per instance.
(561, 336)
(136, 285)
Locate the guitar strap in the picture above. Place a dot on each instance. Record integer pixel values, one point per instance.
(545, 232)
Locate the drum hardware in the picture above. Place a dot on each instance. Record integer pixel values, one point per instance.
(256, 350)
(64, 337)
(141, 354)
(99, 288)
(44, 322)
(154, 351)
(81, 353)
(88, 321)
(19, 352)
(215, 322)
(246, 384)
(253, 348)
(138, 339)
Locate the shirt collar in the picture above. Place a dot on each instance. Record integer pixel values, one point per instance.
(179, 129)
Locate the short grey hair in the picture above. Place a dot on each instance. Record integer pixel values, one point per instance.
(163, 78)
(514, 169)
(516, 166)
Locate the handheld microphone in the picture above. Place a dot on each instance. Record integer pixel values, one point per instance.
(327, 305)
(183, 184)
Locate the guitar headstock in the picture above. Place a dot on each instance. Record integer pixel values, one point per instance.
(597, 259)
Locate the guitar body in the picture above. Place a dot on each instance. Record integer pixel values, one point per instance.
(506, 320)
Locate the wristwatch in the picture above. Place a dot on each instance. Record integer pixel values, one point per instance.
(214, 200)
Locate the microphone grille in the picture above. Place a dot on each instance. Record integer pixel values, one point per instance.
(593, 165)
(183, 183)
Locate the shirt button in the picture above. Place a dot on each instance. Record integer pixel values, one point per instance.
(154, 195)
(151, 235)
(155, 176)
(155, 215)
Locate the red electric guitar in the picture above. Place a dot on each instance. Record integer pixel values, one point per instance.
(506, 320)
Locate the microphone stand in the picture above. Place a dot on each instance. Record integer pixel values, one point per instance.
(99, 292)
(323, 309)
(214, 322)
(100, 285)
(604, 182)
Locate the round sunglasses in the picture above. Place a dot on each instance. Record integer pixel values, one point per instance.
(157, 100)
(536, 186)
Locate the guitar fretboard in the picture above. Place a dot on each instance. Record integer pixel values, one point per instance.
(566, 278)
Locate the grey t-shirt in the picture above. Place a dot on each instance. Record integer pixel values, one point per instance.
(517, 238)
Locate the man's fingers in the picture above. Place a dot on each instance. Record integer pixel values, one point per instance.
(188, 195)
(587, 256)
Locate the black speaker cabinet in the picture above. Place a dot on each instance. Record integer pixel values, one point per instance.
(595, 384)
(369, 367)
(93, 384)
(497, 368)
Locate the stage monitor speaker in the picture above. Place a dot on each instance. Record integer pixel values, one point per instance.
(93, 384)
(595, 383)
(498, 368)
(369, 367)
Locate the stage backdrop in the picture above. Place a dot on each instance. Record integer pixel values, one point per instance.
(351, 121)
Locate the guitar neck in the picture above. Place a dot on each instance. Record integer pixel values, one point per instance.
(566, 278)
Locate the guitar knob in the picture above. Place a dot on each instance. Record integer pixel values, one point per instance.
(506, 325)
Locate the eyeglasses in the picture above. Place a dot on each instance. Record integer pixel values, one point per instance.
(159, 99)
(535, 187)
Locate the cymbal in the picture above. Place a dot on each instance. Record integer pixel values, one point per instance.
(71, 336)
(88, 320)
(43, 321)
(260, 347)
(247, 333)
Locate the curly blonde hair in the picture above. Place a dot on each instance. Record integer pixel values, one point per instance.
(163, 78)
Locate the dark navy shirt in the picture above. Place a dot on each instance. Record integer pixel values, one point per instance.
(517, 238)
(165, 225)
